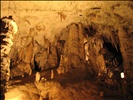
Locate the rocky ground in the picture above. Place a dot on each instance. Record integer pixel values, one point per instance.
(62, 87)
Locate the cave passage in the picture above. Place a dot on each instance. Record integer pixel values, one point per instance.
(113, 56)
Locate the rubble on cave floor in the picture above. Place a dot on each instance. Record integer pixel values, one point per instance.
(61, 88)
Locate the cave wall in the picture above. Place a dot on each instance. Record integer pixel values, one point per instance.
(45, 25)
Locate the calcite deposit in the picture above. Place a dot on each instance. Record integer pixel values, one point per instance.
(71, 50)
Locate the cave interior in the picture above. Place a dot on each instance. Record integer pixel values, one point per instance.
(85, 60)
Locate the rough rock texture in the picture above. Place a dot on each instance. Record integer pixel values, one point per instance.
(72, 51)
(54, 91)
(8, 30)
(86, 37)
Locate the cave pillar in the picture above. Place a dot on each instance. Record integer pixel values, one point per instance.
(123, 40)
(8, 29)
(101, 64)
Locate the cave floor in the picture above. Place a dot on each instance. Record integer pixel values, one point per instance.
(70, 88)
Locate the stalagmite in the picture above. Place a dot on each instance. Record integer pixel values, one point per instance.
(52, 74)
(86, 51)
(38, 77)
(28, 53)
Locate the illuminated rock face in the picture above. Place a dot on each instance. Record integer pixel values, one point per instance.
(53, 90)
(92, 36)
(8, 30)
(47, 33)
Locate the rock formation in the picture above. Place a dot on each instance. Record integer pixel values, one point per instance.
(8, 29)
(71, 43)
